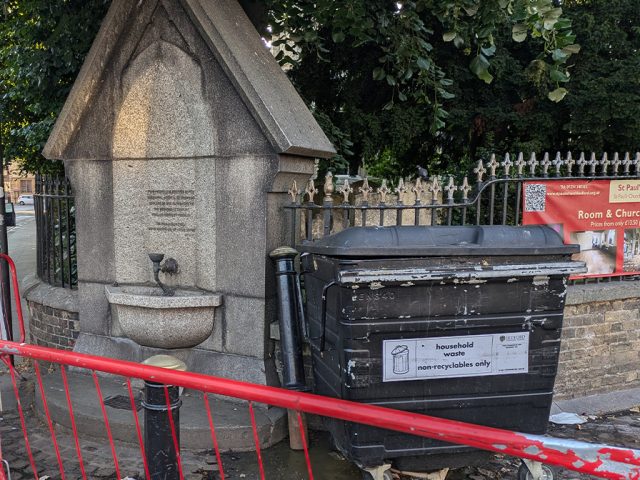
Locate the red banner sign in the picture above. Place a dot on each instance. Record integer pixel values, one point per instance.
(602, 216)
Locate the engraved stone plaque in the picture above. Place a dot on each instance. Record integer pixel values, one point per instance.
(171, 210)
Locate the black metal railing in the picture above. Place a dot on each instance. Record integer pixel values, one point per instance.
(492, 197)
(56, 231)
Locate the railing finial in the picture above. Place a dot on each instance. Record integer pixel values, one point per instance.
(569, 162)
(546, 163)
(365, 190)
(294, 192)
(465, 189)
(479, 171)
(451, 189)
(345, 190)
(507, 164)
(557, 163)
(383, 191)
(616, 164)
(520, 164)
(328, 187)
(493, 166)
(311, 190)
(626, 163)
(533, 163)
(582, 162)
(605, 163)
(418, 189)
(593, 163)
(401, 189)
(435, 187)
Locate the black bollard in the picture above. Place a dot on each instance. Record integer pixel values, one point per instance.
(160, 450)
(289, 308)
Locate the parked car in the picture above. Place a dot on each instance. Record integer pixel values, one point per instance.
(9, 215)
(25, 199)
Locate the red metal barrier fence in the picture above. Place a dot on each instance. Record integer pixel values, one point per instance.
(599, 460)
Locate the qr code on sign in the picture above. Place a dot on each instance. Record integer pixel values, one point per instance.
(535, 196)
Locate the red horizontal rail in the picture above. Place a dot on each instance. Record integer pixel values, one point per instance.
(595, 459)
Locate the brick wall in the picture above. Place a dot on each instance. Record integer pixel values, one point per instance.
(51, 327)
(600, 341)
(53, 314)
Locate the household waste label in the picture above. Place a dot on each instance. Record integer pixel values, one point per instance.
(452, 357)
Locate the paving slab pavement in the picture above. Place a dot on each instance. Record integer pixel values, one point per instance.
(599, 404)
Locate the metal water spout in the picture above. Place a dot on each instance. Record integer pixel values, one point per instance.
(170, 267)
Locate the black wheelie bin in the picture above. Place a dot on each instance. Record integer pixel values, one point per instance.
(461, 323)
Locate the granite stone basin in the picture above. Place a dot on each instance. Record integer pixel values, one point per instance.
(152, 319)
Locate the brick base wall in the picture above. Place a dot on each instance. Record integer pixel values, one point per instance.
(600, 341)
(51, 327)
(600, 348)
(53, 315)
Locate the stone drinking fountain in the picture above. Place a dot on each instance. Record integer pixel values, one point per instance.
(181, 136)
(148, 315)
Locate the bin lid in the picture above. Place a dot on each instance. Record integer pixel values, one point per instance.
(421, 241)
(399, 350)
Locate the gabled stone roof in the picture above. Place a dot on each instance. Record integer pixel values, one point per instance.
(264, 88)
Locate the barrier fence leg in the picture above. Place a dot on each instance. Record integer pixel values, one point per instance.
(530, 470)
(161, 450)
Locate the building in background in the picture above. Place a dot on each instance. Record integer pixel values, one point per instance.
(17, 183)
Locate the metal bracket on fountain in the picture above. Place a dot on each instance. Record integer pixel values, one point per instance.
(170, 267)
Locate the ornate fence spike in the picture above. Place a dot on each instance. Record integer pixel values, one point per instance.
(435, 187)
(605, 163)
(328, 187)
(451, 189)
(310, 190)
(418, 189)
(507, 164)
(557, 163)
(546, 163)
(493, 166)
(533, 163)
(479, 171)
(417, 196)
(383, 191)
(593, 163)
(294, 192)
(365, 190)
(616, 163)
(465, 188)
(401, 189)
(626, 163)
(582, 162)
(520, 164)
(569, 162)
(345, 190)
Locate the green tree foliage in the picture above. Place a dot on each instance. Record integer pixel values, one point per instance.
(603, 107)
(42, 46)
(599, 113)
(383, 73)
(432, 82)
